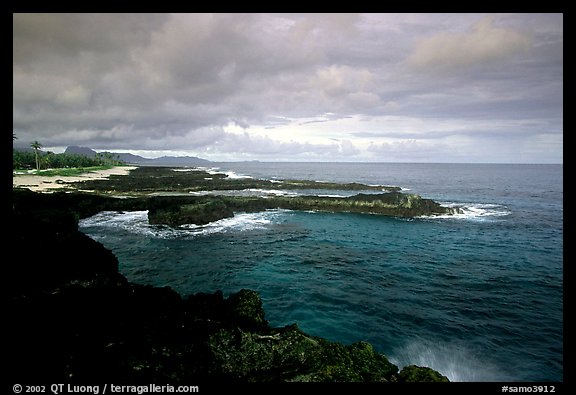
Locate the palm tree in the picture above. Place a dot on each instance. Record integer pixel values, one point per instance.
(36, 145)
(14, 137)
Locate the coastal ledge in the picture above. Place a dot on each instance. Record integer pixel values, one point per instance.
(200, 210)
(146, 179)
(73, 317)
(171, 196)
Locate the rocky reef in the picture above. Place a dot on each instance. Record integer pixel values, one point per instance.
(74, 318)
(170, 196)
(147, 179)
(200, 210)
(174, 211)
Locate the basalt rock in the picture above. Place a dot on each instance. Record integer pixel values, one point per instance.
(413, 373)
(175, 211)
(144, 183)
(200, 211)
(149, 179)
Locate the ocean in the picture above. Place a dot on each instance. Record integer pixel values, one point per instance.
(477, 296)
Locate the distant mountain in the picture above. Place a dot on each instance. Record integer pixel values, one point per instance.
(139, 160)
(178, 161)
(74, 149)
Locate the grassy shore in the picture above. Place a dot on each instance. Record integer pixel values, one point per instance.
(61, 172)
(50, 180)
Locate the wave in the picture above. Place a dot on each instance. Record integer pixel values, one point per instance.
(137, 222)
(239, 223)
(121, 219)
(385, 187)
(475, 211)
(246, 192)
(331, 195)
(455, 361)
(271, 192)
(232, 175)
(274, 192)
(128, 221)
(229, 173)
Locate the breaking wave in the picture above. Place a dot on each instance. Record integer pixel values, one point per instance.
(476, 211)
(216, 170)
(454, 361)
(137, 222)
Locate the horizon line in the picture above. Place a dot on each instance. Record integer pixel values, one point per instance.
(47, 149)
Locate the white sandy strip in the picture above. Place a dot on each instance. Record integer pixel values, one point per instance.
(40, 183)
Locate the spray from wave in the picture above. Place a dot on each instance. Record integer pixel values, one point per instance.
(137, 222)
(476, 211)
(454, 361)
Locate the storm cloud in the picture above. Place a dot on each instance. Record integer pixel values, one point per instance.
(350, 87)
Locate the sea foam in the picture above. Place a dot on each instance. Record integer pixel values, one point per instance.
(455, 361)
(137, 222)
(475, 211)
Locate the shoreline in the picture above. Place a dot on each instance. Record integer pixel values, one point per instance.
(44, 184)
(122, 331)
(192, 208)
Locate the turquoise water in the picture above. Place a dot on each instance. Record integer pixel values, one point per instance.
(478, 296)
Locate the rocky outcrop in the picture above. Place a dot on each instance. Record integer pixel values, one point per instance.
(175, 211)
(413, 373)
(74, 318)
(199, 211)
(143, 185)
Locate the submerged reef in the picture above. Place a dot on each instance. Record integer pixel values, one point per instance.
(75, 318)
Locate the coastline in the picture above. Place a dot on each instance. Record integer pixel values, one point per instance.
(105, 328)
(188, 207)
(44, 183)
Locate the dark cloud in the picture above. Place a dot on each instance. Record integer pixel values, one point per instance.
(291, 86)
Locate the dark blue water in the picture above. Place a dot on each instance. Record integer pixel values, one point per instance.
(478, 296)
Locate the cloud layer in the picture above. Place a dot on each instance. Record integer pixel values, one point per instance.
(381, 87)
(482, 43)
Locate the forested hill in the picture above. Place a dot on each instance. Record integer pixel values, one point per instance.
(129, 158)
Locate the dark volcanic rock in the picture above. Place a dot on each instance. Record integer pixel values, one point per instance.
(246, 309)
(413, 373)
(144, 183)
(146, 179)
(200, 211)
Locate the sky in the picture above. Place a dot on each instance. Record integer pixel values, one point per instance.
(464, 88)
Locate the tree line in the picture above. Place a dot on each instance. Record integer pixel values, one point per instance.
(48, 160)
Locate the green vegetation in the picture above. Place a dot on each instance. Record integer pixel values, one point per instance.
(418, 374)
(67, 171)
(25, 160)
(36, 146)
